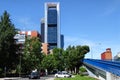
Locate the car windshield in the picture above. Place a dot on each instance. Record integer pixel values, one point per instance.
(34, 73)
(59, 73)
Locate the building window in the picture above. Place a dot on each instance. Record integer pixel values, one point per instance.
(52, 34)
(52, 16)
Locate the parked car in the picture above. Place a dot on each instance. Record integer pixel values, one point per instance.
(42, 73)
(34, 75)
(62, 74)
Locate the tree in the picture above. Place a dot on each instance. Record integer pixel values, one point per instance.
(48, 62)
(80, 51)
(71, 57)
(74, 55)
(32, 56)
(7, 43)
(58, 56)
(54, 60)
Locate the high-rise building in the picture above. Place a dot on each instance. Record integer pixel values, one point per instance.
(52, 25)
(62, 41)
(42, 30)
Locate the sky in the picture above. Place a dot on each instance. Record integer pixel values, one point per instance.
(95, 23)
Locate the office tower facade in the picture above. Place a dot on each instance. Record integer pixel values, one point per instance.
(62, 41)
(42, 30)
(52, 25)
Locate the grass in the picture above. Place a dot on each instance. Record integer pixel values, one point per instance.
(77, 77)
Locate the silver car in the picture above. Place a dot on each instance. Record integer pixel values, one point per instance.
(62, 74)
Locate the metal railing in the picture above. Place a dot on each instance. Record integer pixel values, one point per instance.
(110, 66)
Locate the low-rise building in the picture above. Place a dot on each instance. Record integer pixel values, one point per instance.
(21, 36)
(107, 55)
(117, 57)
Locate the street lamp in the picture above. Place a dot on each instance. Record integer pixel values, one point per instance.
(19, 62)
(90, 53)
(20, 40)
(5, 70)
(20, 55)
(20, 66)
(91, 49)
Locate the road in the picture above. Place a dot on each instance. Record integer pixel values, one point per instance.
(49, 77)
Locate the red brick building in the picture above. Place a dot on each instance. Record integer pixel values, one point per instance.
(30, 33)
(107, 55)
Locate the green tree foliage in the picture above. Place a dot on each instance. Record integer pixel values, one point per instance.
(32, 56)
(54, 60)
(7, 43)
(69, 59)
(58, 56)
(74, 56)
(48, 62)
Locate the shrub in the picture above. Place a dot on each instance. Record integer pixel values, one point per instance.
(82, 69)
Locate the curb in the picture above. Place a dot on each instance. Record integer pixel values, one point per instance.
(50, 79)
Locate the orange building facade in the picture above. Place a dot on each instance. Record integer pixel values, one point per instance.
(45, 48)
(30, 34)
(107, 55)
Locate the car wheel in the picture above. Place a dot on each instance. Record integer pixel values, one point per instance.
(38, 77)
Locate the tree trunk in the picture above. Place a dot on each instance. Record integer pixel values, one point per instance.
(46, 71)
(75, 70)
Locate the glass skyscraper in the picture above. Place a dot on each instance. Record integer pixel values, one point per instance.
(42, 30)
(52, 25)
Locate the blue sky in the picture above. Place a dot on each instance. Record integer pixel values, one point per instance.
(83, 22)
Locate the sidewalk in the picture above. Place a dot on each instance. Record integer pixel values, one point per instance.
(8, 78)
(50, 79)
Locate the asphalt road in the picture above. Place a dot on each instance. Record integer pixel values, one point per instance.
(49, 77)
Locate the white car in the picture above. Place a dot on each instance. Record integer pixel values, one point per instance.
(62, 74)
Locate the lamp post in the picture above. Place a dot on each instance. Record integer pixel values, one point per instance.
(20, 55)
(20, 39)
(97, 45)
(20, 65)
(19, 62)
(5, 70)
(91, 52)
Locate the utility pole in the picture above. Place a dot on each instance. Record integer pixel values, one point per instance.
(20, 66)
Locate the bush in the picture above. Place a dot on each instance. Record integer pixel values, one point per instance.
(82, 69)
(1, 70)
